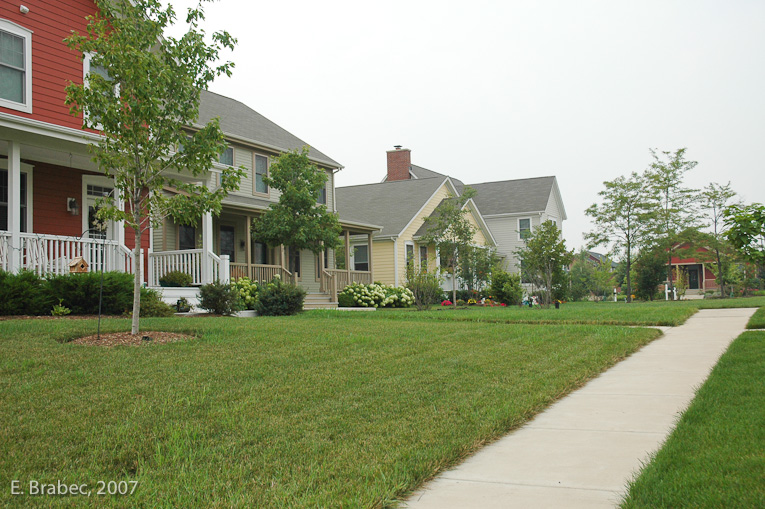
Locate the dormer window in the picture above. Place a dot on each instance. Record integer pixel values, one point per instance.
(15, 67)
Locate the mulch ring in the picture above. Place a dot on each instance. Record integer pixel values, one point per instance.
(127, 339)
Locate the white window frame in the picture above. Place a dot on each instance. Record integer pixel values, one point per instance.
(407, 244)
(520, 235)
(255, 191)
(26, 34)
(419, 254)
(353, 256)
(86, 58)
(29, 170)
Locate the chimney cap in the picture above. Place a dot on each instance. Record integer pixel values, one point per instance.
(397, 147)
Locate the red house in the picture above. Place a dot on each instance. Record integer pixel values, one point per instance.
(49, 185)
(700, 277)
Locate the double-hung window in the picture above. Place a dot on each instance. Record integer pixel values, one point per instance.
(227, 157)
(261, 170)
(15, 67)
(524, 228)
(361, 258)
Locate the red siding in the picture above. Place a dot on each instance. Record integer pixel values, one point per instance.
(53, 63)
(52, 185)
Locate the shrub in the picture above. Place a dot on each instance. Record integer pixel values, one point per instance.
(80, 292)
(425, 288)
(152, 304)
(23, 294)
(375, 295)
(278, 298)
(248, 291)
(506, 287)
(175, 278)
(220, 299)
(461, 302)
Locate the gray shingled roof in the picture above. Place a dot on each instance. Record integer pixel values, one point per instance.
(238, 119)
(513, 196)
(391, 205)
(423, 173)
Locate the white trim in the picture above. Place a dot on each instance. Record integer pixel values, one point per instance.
(408, 243)
(29, 170)
(395, 262)
(512, 214)
(256, 193)
(26, 34)
(518, 229)
(31, 126)
(417, 215)
(479, 219)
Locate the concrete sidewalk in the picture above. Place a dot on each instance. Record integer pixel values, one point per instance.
(583, 450)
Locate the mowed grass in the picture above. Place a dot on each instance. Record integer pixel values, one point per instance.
(277, 412)
(595, 313)
(757, 321)
(716, 455)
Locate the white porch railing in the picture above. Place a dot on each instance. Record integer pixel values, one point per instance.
(51, 254)
(346, 277)
(190, 262)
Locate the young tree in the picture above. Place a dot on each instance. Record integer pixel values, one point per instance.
(622, 218)
(476, 265)
(544, 256)
(450, 230)
(675, 204)
(143, 105)
(298, 219)
(650, 271)
(588, 278)
(715, 199)
(747, 231)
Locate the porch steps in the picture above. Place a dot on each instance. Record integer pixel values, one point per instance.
(171, 295)
(318, 301)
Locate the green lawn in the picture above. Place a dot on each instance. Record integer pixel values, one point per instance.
(273, 412)
(757, 321)
(716, 455)
(595, 313)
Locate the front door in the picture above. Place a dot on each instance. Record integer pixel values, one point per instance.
(227, 241)
(693, 278)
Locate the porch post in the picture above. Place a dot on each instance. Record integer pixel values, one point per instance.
(248, 248)
(14, 206)
(369, 250)
(348, 255)
(207, 248)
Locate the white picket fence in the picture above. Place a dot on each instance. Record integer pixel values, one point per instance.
(188, 261)
(51, 254)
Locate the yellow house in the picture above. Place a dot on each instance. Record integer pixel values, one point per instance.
(400, 207)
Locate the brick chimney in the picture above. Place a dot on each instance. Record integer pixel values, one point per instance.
(399, 162)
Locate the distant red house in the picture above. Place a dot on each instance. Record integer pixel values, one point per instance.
(700, 277)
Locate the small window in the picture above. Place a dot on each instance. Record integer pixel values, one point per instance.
(322, 196)
(424, 257)
(409, 254)
(524, 228)
(261, 170)
(187, 237)
(89, 68)
(361, 258)
(227, 157)
(15, 67)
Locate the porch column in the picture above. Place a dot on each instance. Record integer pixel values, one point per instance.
(14, 206)
(248, 245)
(348, 255)
(369, 251)
(207, 248)
(120, 225)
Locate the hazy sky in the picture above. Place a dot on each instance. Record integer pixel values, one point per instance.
(487, 91)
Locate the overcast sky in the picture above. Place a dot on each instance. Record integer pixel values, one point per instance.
(487, 91)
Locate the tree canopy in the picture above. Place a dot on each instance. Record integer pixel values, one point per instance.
(298, 219)
(543, 258)
(143, 101)
(746, 231)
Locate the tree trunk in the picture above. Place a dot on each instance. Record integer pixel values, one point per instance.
(670, 285)
(454, 283)
(629, 276)
(137, 280)
(720, 273)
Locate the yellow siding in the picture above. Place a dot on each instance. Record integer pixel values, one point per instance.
(479, 238)
(443, 192)
(382, 261)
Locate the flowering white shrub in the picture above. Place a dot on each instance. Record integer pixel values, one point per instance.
(375, 295)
